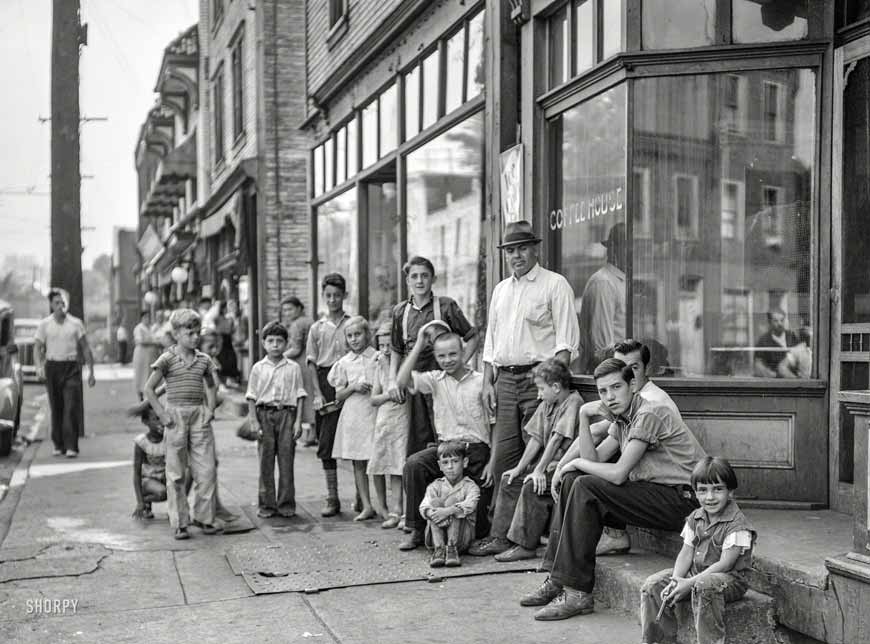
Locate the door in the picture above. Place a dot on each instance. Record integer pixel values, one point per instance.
(850, 239)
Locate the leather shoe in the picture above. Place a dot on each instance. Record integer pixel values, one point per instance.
(488, 546)
(568, 604)
(613, 542)
(516, 553)
(331, 507)
(451, 559)
(543, 595)
(438, 557)
(414, 539)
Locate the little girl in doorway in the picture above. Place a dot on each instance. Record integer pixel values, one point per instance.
(390, 437)
(352, 376)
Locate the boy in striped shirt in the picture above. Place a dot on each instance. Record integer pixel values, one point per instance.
(190, 394)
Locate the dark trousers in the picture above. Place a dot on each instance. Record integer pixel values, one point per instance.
(588, 503)
(421, 424)
(422, 468)
(516, 401)
(520, 514)
(277, 444)
(122, 351)
(326, 423)
(63, 382)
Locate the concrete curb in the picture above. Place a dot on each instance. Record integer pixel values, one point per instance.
(16, 486)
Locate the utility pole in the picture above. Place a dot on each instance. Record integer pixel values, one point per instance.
(66, 239)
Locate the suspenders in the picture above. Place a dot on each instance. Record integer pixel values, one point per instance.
(436, 311)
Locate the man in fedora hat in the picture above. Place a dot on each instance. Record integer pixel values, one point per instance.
(602, 311)
(531, 318)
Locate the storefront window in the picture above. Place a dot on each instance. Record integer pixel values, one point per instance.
(337, 242)
(584, 28)
(476, 72)
(726, 274)
(444, 211)
(370, 134)
(384, 256)
(587, 224)
(754, 21)
(455, 70)
(412, 102)
(430, 89)
(389, 115)
(671, 24)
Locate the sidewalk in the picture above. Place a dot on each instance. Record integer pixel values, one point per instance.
(71, 538)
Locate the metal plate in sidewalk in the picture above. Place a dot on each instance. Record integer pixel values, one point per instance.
(276, 569)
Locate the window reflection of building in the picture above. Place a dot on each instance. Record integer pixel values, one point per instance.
(444, 210)
(383, 249)
(337, 242)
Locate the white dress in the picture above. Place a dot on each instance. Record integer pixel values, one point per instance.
(391, 428)
(145, 352)
(356, 424)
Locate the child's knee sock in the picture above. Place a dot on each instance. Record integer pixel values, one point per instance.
(331, 483)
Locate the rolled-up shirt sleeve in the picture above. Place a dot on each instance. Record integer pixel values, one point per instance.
(468, 505)
(565, 318)
(491, 326)
(312, 348)
(253, 383)
(422, 382)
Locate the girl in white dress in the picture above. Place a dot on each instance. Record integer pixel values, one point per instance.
(352, 376)
(390, 439)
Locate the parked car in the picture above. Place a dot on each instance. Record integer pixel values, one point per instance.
(11, 385)
(25, 331)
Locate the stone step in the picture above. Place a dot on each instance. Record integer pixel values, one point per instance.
(751, 620)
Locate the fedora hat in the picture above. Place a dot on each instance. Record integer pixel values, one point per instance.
(519, 232)
(615, 236)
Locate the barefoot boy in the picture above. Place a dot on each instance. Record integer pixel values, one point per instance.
(449, 507)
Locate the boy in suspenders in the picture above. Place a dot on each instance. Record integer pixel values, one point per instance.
(409, 316)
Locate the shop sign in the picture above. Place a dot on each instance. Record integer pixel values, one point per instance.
(511, 161)
(588, 208)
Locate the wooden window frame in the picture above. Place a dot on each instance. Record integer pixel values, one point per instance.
(237, 71)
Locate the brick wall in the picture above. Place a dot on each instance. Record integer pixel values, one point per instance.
(364, 16)
(282, 184)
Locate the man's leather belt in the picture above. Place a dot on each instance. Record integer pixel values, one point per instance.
(519, 368)
(276, 407)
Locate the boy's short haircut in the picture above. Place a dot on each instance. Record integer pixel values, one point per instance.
(295, 301)
(53, 293)
(185, 319)
(274, 328)
(334, 279)
(630, 345)
(613, 365)
(553, 372)
(358, 320)
(444, 336)
(452, 448)
(417, 260)
(714, 469)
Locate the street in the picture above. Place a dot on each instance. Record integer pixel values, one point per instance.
(75, 567)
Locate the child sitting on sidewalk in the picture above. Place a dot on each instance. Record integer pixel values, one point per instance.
(190, 394)
(275, 394)
(149, 462)
(523, 505)
(710, 569)
(352, 377)
(391, 436)
(449, 507)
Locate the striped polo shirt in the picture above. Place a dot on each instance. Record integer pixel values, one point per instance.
(184, 381)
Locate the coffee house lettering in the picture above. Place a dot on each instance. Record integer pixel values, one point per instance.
(603, 203)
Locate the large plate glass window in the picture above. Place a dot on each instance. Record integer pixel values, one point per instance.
(337, 242)
(383, 252)
(444, 211)
(723, 285)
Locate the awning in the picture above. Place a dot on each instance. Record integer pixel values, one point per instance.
(179, 165)
(230, 210)
(149, 244)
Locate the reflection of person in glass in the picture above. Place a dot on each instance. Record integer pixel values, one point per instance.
(766, 361)
(531, 318)
(798, 362)
(602, 309)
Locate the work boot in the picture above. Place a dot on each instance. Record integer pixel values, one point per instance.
(413, 540)
(543, 595)
(451, 559)
(488, 546)
(613, 542)
(331, 507)
(569, 603)
(438, 557)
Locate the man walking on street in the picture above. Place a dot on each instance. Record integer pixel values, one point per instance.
(60, 340)
(531, 318)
